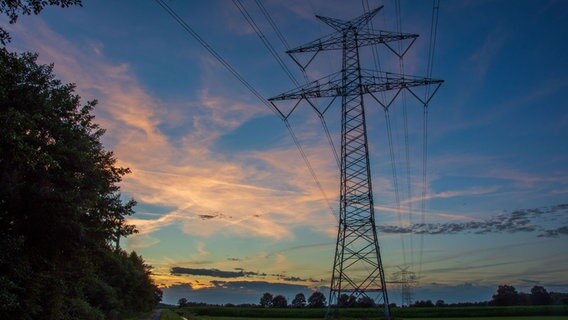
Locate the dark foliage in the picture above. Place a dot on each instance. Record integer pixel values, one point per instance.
(539, 296)
(365, 302)
(506, 296)
(423, 304)
(266, 300)
(182, 302)
(279, 301)
(299, 301)
(316, 300)
(14, 8)
(60, 206)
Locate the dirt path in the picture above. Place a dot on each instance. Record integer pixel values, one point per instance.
(155, 315)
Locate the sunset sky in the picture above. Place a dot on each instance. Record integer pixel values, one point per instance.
(227, 208)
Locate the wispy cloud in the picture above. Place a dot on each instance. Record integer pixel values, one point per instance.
(238, 273)
(252, 194)
(216, 273)
(516, 221)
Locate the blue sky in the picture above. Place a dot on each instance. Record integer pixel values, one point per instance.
(225, 199)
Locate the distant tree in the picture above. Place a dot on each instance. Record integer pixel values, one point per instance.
(279, 301)
(559, 298)
(346, 300)
(316, 300)
(266, 300)
(182, 302)
(299, 301)
(539, 296)
(524, 299)
(506, 296)
(440, 303)
(343, 300)
(423, 304)
(365, 302)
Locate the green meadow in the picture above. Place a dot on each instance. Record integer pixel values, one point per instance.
(447, 313)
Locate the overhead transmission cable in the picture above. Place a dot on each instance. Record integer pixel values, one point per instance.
(234, 72)
(274, 53)
(377, 63)
(398, 12)
(265, 41)
(431, 54)
(214, 53)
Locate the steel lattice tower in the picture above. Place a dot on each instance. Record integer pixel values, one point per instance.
(406, 280)
(357, 266)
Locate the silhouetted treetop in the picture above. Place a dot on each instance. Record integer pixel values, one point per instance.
(13, 8)
(61, 209)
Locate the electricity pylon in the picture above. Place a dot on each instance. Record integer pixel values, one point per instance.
(357, 267)
(406, 280)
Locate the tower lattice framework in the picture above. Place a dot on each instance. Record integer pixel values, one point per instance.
(357, 268)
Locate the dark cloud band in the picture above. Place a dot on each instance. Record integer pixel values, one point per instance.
(516, 221)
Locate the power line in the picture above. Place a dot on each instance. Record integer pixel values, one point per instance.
(264, 40)
(214, 53)
(273, 24)
(431, 53)
(395, 179)
(269, 46)
(235, 73)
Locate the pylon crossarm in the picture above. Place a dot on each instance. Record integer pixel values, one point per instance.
(386, 105)
(374, 37)
(400, 53)
(304, 66)
(329, 42)
(335, 41)
(331, 87)
(375, 81)
(356, 23)
(426, 101)
(283, 116)
(371, 81)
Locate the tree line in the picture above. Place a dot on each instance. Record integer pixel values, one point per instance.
(61, 210)
(506, 295)
(315, 300)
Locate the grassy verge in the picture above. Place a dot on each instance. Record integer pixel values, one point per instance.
(169, 315)
(485, 318)
(359, 313)
(140, 316)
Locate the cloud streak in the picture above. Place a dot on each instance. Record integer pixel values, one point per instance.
(238, 273)
(254, 194)
(516, 221)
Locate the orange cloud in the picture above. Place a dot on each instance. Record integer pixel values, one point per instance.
(264, 194)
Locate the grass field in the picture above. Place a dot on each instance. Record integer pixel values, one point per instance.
(469, 318)
(527, 312)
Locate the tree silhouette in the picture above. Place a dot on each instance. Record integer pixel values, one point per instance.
(266, 300)
(61, 210)
(365, 302)
(506, 296)
(279, 301)
(299, 301)
(182, 302)
(539, 296)
(316, 300)
(13, 9)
